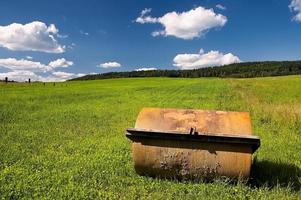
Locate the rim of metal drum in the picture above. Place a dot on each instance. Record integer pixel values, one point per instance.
(254, 141)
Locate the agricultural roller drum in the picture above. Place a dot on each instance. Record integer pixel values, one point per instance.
(188, 144)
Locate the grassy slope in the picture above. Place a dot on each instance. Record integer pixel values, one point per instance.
(68, 140)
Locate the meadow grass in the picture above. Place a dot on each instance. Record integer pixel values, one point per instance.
(67, 141)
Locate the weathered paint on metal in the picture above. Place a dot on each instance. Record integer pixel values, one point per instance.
(191, 159)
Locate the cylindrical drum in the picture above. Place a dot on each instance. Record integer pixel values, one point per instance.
(185, 143)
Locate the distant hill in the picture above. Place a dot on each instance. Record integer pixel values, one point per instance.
(236, 70)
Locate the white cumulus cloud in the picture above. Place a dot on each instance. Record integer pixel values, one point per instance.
(24, 75)
(202, 59)
(142, 19)
(19, 75)
(220, 6)
(146, 69)
(34, 36)
(61, 62)
(63, 75)
(59, 76)
(22, 70)
(186, 25)
(23, 64)
(110, 65)
(295, 6)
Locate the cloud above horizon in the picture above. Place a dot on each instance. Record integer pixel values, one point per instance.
(34, 36)
(110, 65)
(23, 64)
(24, 75)
(186, 25)
(22, 70)
(221, 7)
(202, 59)
(295, 6)
(146, 69)
(66, 75)
(61, 62)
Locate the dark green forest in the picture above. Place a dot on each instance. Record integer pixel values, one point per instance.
(237, 70)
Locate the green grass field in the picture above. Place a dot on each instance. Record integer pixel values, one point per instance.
(67, 141)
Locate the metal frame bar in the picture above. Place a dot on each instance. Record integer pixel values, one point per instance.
(254, 141)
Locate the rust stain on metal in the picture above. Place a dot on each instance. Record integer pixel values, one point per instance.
(187, 159)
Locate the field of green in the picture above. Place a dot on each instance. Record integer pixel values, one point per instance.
(67, 141)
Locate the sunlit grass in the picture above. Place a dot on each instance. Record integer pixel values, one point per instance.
(67, 140)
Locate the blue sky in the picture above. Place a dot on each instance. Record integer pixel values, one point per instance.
(100, 36)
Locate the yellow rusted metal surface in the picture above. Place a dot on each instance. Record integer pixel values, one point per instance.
(190, 159)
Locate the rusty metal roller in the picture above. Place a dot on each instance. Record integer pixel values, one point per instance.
(185, 143)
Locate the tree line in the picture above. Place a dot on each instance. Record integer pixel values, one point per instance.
(236, 70)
